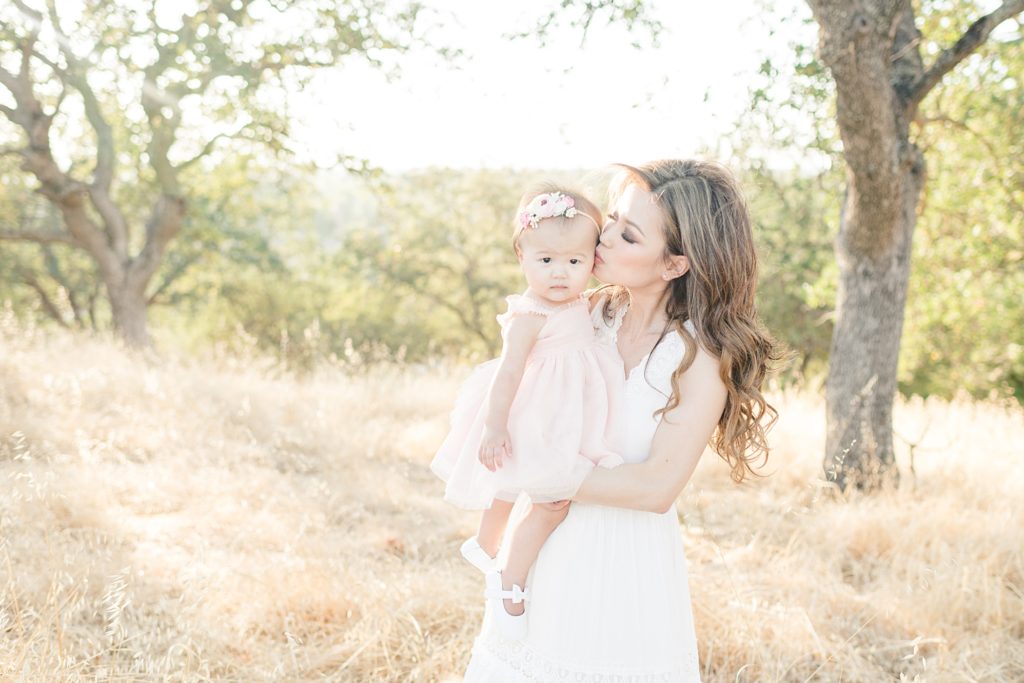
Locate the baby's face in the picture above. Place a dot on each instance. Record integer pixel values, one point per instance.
(557, 257)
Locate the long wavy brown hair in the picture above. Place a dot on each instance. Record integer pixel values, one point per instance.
(706, 219)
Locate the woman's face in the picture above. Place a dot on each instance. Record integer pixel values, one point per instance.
(631, 251)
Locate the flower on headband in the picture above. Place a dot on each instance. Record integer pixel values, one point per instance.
(547, 205)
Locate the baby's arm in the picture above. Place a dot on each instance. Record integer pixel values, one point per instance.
(519, 339)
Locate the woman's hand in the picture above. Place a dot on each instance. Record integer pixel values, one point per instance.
(495, 446)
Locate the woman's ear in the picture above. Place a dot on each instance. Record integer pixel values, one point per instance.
(678, 266)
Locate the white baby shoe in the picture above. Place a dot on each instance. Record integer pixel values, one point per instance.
(477, 556)
(508, 626)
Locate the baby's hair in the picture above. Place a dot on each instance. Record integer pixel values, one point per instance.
(583, 206)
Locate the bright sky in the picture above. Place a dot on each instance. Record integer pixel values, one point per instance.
(513, 103)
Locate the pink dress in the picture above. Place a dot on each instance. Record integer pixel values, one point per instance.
(564, 418)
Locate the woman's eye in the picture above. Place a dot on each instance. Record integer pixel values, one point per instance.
(625, 236)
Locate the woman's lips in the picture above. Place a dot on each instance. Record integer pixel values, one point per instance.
(597, 258)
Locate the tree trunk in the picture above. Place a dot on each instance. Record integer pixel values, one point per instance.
(861, 383)
(128, 307)
(884, 181)
(872, 49)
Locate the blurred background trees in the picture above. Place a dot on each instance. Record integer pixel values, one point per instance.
(114, 110)
(316, 265)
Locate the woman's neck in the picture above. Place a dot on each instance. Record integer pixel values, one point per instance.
(646, 313)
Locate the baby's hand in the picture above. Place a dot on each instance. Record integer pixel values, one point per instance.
(494, 448)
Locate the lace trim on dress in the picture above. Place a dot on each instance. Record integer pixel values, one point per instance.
(523, 304)
(662, 361)
(534, 667)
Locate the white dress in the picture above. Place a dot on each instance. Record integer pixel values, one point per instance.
(610, 600)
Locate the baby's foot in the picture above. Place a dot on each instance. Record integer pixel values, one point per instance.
(513, 607)
(477, 556)
(507, 623)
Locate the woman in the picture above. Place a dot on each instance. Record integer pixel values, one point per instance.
(609, 599)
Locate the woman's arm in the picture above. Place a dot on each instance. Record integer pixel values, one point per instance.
(519, 339)
(679, 441)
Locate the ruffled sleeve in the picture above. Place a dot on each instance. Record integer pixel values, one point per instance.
(520, 304)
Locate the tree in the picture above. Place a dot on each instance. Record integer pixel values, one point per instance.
(157, 93)
(872, 50)
(445, 243)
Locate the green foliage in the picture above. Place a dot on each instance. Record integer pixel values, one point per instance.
(964, 321)
(965, 312)
(142, 96)
(795, 221)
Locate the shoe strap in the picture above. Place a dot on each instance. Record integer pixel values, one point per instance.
(516, 595)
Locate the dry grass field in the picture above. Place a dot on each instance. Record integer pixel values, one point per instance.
(186, 520)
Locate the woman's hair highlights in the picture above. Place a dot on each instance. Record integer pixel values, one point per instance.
(706, 218)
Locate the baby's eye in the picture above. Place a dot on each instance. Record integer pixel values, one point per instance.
(574, 261)
(546, 259)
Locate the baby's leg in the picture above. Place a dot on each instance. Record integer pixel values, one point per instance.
(527, 540)
(492, 526)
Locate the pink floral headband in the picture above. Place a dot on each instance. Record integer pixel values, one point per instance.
(549, 205)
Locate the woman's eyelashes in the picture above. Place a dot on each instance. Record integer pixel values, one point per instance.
(612, 219)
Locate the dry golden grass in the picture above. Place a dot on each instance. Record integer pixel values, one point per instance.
(217, 520)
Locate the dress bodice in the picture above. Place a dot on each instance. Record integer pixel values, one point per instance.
(649, 384)
(566, 328)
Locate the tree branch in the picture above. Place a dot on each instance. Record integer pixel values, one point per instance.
(968, 43)
(48, 305)
(99, 190)
(39, 237)
(175, 273)
(32, 15)
(54, 269)
(163, 224)
(208, 147)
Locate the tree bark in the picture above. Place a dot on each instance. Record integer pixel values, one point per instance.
(128, 307)
(872, 49)
(861, 384)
